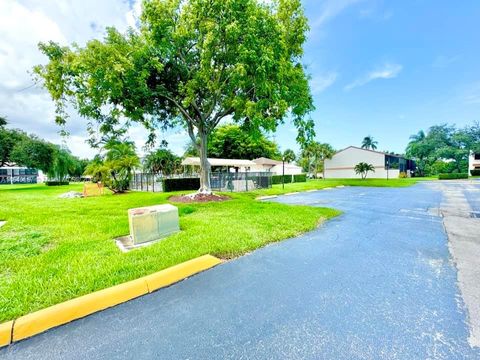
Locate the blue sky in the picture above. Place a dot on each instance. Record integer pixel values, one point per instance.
(386, 69)
(393, 67)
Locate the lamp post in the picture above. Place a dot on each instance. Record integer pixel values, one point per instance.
(388, 166)
(283, 172)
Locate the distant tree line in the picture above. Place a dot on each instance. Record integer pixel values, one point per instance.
(443, 148)
(18, 147)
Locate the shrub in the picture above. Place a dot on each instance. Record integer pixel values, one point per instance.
(181, 184)
(451, 176)
(300, 178)
(277, 179)
(475, 172)
(56, 183)
(402, 175)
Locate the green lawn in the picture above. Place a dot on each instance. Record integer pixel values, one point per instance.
(54, 249)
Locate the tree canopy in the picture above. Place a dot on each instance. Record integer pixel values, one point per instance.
(444, 148)
(191, 63)
(369, 143)
(233, 142)
(162, 161)
(313, 157)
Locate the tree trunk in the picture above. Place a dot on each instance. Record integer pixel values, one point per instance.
(204, 165)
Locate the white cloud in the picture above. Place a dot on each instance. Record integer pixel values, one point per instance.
(386, 71)
(321, 82)
(24, 23)
(330, 9)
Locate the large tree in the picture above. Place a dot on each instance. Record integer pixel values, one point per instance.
(190, 63)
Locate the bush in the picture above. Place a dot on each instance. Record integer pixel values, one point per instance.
(56, 183)
(277, 179)
(402, 175)
(181, 184)
(475, 172)
(300, 178)
(451, 176)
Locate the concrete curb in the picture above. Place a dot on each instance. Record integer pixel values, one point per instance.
(59, 314)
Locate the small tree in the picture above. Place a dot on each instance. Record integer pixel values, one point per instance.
(363, 168)
(116, 167)
(314, 155)
(191, 63)
(161, 161)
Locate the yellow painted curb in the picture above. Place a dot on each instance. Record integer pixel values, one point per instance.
(6, 333)
(67, 311)
(70, 310)
(181, 271)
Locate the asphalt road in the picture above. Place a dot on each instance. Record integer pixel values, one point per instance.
(378, 282)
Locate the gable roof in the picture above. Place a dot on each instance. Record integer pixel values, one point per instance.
(374, 151)
(266, 161)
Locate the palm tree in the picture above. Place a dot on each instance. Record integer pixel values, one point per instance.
(369, 143)
(289, 156)
(363, 169)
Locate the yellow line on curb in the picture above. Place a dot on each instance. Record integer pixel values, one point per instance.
(6, 333)
(42, 320)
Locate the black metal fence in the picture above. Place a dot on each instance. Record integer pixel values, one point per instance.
(219, 181)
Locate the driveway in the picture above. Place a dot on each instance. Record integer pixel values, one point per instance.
(378, 282)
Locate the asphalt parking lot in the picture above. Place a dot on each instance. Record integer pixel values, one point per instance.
(378, 282)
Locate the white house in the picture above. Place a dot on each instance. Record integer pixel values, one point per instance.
(275, 167)
(258, 165)
(474, 161)
(342, 164)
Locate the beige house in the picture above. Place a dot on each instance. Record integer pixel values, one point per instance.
(342, 164)
(275, 167)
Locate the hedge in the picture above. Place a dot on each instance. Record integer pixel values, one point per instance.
(56, 183)
(475, 172)
(451, 176)
(300, 178)
(277, 179)
(181, 184)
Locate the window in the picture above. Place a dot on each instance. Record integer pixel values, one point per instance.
(476, 156)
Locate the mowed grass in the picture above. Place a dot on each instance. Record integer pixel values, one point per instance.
(53, 249)
(327, 183)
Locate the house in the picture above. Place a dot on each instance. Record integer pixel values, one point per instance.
(474, 161)
(342, 164)
(276, 167)
(13, 174)
(238, 165)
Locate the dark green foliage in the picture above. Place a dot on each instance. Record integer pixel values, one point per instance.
(451, 176)
(475, 172)
(181, 184)
(300, 178)
(56, 183)
(277, 179)
(231, 141)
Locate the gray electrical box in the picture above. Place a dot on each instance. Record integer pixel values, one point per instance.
(152, 223)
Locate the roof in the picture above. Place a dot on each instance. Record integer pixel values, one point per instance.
(266, 161)
(195, 161)
(374, 151)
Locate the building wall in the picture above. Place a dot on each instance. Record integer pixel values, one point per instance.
(342, 164)
(290, 169)
(473, 163)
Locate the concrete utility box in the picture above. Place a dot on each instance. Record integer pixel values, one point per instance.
(152, 223)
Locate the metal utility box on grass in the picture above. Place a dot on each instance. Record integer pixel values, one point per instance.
(152, 222)
(149, 224)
